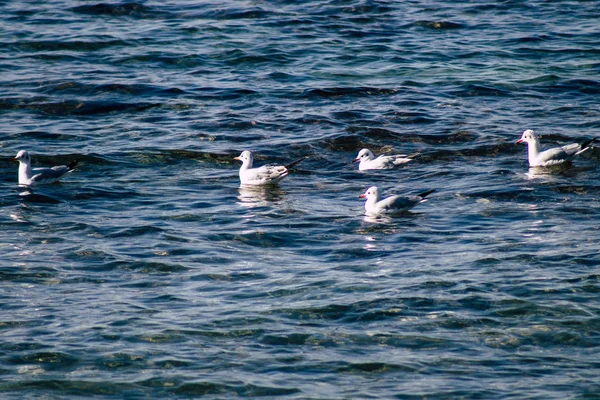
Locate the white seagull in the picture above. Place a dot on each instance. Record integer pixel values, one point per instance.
(265, 175)
(368, 161)
(553, 156)
(31, 176)
(391, 205)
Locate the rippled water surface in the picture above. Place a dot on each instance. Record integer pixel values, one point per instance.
(148, 272)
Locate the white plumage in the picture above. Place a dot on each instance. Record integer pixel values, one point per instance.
(554, 156)
(265, 175)
(390, 205)
(368, 161)
(32, 176)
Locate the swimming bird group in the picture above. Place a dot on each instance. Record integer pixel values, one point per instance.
(270, 175)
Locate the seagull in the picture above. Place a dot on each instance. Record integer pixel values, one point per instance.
(265, 175)
(391, 205)
(31, 176)
(368, 161)
(553, 156)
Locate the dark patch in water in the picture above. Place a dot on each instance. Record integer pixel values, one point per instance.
(70, 107)
(116, 10)
(232, 13)
(441, 25)
(75, 45)
(335, 92)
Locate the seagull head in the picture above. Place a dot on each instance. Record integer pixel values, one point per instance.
(246, 158)
(23, 157)
(371, 193)
(364, 154)
(528, 137)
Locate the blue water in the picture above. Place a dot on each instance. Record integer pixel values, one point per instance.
(148, 272)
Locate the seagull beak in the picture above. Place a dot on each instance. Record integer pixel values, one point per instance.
(362, 196)
(520, 141)
(237, 158)
(356, 159)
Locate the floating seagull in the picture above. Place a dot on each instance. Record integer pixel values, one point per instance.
(554, 156)
(265, 175)
(31, 176)
(390, 205)
(368, 161)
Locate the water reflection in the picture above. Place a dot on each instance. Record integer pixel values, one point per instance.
(259, 196)
(553, 172)
(370, 243)
(28, 195)
(18, 217)
(541, 173)
(377, 219)
(388, 219)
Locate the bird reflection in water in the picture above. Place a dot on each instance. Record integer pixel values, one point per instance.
(28, 195)
(259, 196)
(552, 173)
(377, 219)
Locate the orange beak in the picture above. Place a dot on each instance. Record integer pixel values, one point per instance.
(362, 196)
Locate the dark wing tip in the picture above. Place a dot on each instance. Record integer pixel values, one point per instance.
(587, 143)
(290, 165)
(427, 193)
(72, 165)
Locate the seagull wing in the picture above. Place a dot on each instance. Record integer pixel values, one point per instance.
(396, 204)
(387, 162)
(264, 175)
(571, 149)
(561, 154)
(556, 155)
(401, 159)
(382, 162)
(44, 175)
